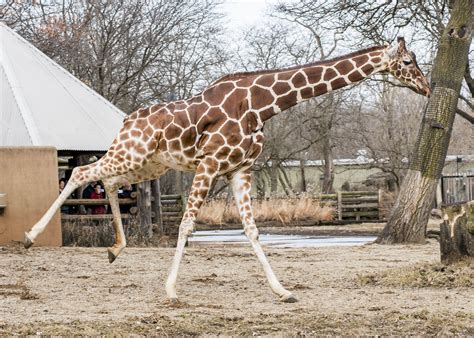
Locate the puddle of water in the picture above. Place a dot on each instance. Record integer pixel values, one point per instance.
(277, 241)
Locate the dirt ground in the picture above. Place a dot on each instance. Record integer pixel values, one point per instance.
(223, 291)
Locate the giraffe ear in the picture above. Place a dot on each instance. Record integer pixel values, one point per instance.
(392, 51)
(401, 45)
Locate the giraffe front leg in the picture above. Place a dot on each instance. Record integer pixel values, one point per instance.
(241, 183)
(120, 241)
(39, 227)
(78, 178)
(205, 173)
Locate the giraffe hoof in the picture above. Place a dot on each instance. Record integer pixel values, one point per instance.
(27, 242)
(291, 298)
(111, 255)
(176, 303)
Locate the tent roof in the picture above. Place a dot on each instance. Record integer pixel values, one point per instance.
(42, 104)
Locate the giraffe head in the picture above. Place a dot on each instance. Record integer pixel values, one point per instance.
(402, 65)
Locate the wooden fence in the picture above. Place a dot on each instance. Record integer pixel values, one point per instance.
(354, 205)
(165, 211)
(172, 209)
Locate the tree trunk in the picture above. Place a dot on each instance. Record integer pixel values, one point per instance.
(286, 188)
(414, 201)
(144, 208)
(303, 176)
(273, 178)
(286, 179)
(156, 204)
(408, 219)
(457, 233)
(328, 174)
(178, 183)
(259, 183)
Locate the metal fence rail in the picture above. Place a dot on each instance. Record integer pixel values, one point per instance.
(457, 188)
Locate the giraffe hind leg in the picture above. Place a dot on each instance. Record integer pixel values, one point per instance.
(241, 183)
(112, 184)
(111, 187)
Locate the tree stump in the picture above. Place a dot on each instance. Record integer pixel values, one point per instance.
(457, 232)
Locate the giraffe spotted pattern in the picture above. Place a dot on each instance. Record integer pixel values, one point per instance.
(219, 133)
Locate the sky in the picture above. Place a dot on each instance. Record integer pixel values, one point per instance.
(244, 13)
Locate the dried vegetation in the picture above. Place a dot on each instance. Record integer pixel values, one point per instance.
(287, 210)
(100, 233)
(425, 275)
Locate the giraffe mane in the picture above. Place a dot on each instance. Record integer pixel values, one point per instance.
(240, 75)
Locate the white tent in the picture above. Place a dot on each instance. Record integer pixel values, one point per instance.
(42, 104)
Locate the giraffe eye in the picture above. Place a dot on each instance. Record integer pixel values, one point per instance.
(407, 62)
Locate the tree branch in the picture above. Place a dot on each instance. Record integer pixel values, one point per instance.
(465, 115)
(469, 79)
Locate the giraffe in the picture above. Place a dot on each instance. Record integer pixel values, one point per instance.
(219, 133)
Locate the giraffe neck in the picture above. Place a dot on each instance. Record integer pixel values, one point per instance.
(294, 85)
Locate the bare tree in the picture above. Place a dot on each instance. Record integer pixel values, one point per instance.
(134, 53)
(131, 52)
(423, 21)
(362, 22)
(408, 219)
(374, 21)
(308, 128)
(383, 127)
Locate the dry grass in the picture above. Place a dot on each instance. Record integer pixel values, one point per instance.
(418, 323)
(100, 233)
(18, 289)
(437, 275)
(273, 209)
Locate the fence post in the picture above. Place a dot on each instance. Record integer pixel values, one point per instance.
(379, 202)
(465, 188)
(80, 160)
(339, 205)
(443, 191)
(144, 207)
(155, 190)
(184, 201)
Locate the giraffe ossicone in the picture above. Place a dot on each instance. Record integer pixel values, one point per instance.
(218, 133)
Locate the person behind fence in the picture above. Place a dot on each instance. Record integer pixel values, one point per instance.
(86, 194)
(66, 209)
(98, 193)
(62, 184)
(125, 192)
